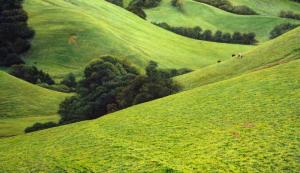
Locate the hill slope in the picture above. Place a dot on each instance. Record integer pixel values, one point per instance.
(208, 17)
(89, 29)
(267, 7)
(280, 50)
(22, 104)
(249, 123)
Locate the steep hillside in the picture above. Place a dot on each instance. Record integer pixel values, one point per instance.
(208, 17)
(249, 123)
(24, 102)
(89, 29)
(280, 50)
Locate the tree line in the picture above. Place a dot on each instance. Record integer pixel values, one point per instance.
(198, 34)
(109, 85)
(289, 15)
(281, 29)
(15, 34)
(227, 6)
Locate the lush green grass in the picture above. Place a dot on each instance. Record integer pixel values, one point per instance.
(15, 126)
(20, 99)
(280, 50)
(208, 17)
(103, 28)
(269, 7)
(246, 124)
(25, 103)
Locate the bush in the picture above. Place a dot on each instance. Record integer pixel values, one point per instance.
(281, 29)
(290, 15)
(40, 126)
(31, 74)
(110, 84)
(137, 6)
(227, 6)
(69, 81)
(116, 2)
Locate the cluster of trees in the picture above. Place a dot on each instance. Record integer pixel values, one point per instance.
(227, 6)
(137, 6)
(31, 74)
(14, 32)
(296, 0)
(35, 76)
(289, 14)
(281, 29)
(218, 36)
(40, 126)
(110, 84)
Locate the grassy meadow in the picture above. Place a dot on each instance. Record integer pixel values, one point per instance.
(245, 124)
(232, 115)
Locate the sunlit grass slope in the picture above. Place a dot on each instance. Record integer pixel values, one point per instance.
(246, 124)
(208, 17)
(24, 102)
(69, 34)
(280, 50)
(269, 7)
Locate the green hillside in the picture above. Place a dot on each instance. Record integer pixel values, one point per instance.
(90, 29)
(280, 50)
(208, 17)
(267, 7)
(248, 123)
(25, 103)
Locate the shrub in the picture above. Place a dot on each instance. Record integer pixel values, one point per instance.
(137, 6)
(69, 81)
(40, 126)
(31, 74)
(281, 29)
(116, 2)
(290, 15)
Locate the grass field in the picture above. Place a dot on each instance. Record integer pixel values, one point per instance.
(280, 50)
(25, 103)
(208, 17)
(245, 124)
(90, 29)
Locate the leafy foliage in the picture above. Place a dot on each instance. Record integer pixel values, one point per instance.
(110, 85)
(137, 6)
(281, 29)
(14, 32)
(218, 36)
(289, 14)
(116, 2)
(31, 74)
(227, 6)
(40, 126)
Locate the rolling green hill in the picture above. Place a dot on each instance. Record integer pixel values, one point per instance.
(23, 104)
(280, 50)
(89, 29)
(249, 123)
(208, 17)
(267, 7)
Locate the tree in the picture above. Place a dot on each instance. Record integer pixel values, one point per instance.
(69, 80)
(14, 32)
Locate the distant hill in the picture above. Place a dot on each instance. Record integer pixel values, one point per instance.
(69, 34)
(209, 17)
(280, 50)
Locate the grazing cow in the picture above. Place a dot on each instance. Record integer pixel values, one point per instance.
(239, 55)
